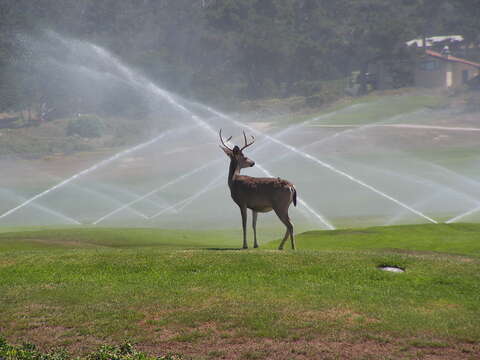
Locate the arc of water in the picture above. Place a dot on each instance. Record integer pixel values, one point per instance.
(303, 154)
(190, 199)
(382, 123)
(292, 126)
(139, 80)
(183, 177)
(206, 126)
(359, 128)
(373, 125)
(90, 169)
(179, 206)
(431, 127)
(421, 180)
(461, 216)
(317, 215)
(467, 179)
(469, 212)
(323, 164)
(454, 219)
(109, 198)
(303, 203)
(393, 219)
(163, 187)
(166, 95)
(57, 214)
(132, 196)
(53, 212)
(461, 176)
(329, 137)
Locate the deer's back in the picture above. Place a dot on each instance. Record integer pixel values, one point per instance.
(261, 194)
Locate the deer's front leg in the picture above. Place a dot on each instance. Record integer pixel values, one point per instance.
(243, 211)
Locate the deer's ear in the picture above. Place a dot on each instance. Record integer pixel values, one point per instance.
(226, 151)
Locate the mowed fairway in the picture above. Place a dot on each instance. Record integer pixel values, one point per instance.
(194, 293)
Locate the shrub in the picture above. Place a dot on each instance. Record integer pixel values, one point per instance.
(28, 352)
(88, 126)
(314, 101)
(126, 351)
(329, 91)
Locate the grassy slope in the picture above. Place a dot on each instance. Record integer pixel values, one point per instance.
(144, 284)
(463, 239)
(373, 108)
(81, 238)
(50, 138)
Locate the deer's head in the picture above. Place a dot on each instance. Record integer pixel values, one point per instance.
(236, 154)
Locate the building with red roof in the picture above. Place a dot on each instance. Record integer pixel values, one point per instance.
(442, 70)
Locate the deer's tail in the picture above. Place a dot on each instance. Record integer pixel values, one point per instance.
(294, 196)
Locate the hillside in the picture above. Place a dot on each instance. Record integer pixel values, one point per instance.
(56, 137)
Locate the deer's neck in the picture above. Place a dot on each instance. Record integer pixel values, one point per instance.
(233, 171)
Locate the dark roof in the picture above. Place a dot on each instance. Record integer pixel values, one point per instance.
(451, 58)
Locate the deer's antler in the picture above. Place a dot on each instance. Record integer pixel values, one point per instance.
(246, 142)
(221, 139)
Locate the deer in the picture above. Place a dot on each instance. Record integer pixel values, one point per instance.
(261, 195)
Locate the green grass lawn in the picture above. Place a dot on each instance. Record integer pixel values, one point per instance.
(366, 109)
(194, 293)
(381, 108)
(459, 239)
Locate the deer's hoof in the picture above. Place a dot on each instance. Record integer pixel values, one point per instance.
(245, 247)
(280, 248)
(255, 246)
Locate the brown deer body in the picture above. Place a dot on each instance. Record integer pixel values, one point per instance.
(258, 194)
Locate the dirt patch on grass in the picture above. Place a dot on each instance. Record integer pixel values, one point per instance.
(247, 348)
(346, 316)
(218, 341)
(4, 262)
(214, 341)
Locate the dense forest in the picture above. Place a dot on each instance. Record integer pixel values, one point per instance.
(215, 50)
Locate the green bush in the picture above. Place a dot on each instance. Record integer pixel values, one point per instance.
(88, 126)
(328, 92)
(126, 351)
(314, 101)
(28, 352)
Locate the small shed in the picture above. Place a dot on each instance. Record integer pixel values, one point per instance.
(442, 70)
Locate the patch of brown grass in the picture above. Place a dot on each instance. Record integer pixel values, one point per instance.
(218, 343)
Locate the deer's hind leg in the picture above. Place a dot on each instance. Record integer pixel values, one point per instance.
(254, 225)
(284, 239)
(243, 211)
(285, 219)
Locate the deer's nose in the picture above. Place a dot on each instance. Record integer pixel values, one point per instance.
(253, 164)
